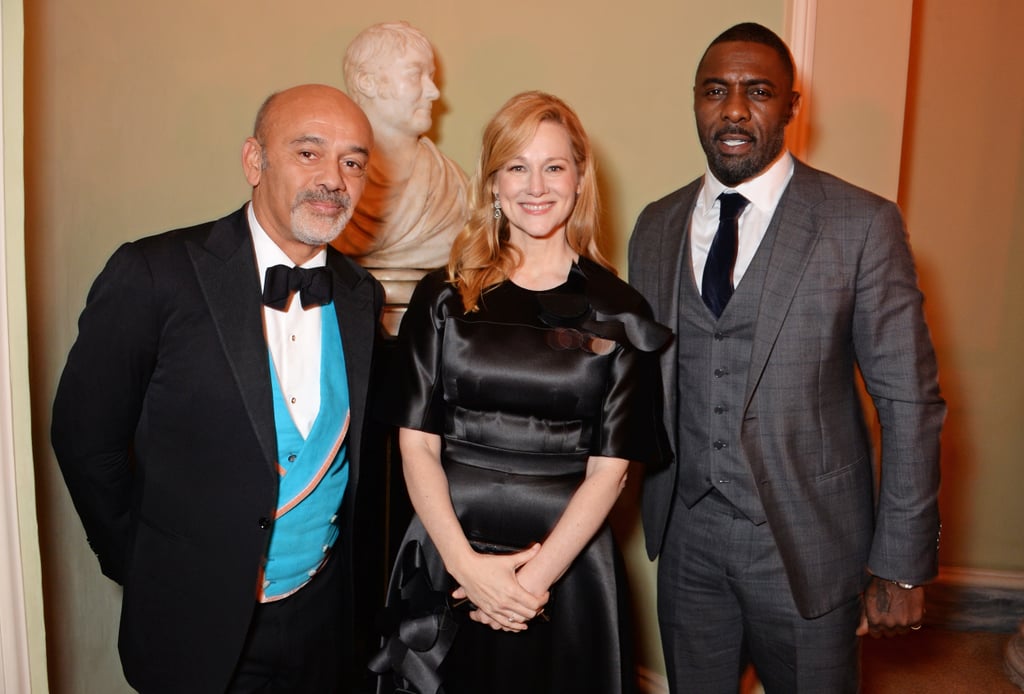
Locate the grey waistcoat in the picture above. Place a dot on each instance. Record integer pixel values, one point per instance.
(714, 363)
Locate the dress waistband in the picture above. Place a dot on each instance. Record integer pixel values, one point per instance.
(476, 455)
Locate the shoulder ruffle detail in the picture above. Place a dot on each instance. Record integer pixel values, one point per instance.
(599, 303)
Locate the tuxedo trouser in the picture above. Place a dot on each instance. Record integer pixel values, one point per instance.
(296, 645)
(723, 597)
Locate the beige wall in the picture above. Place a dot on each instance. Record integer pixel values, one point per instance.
(135, 114)
(962, 187)
(855, 130)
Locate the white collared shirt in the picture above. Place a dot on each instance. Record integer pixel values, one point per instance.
(763, 192)
(293, 336)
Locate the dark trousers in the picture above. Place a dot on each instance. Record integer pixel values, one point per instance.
(723, 597)
(298, 645)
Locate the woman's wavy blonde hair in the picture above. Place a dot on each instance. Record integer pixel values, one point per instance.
(481, 255)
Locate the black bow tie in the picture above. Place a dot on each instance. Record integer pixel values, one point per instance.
(313, 284)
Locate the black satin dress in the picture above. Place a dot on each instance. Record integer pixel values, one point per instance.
(522, 392)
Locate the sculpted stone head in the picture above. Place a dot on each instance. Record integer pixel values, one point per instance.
(415, 197)
(389, 71)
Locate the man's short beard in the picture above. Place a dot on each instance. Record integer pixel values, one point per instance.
(735, 170)
(307, 225)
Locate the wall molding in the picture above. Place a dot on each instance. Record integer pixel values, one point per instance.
(964, 599)
(981, 578)
(800, 22)
(14, 649)
(22, 634)
(14, 660)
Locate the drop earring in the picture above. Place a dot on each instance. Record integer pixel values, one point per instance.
(497, 207)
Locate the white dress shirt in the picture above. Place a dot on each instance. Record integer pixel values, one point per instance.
(293, 335)
(763, 192)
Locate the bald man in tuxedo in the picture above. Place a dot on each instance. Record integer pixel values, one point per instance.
(209, 421)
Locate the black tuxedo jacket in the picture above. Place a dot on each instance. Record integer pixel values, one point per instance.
(163, 426)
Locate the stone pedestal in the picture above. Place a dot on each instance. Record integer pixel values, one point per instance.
(399, 283)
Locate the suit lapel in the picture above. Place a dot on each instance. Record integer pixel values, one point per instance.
(354, 306)
(796, 235)
(673, 269)
(672, 272)
(225, 266)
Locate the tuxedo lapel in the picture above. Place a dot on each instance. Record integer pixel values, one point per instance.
(225, 267)
(796, 235)
(354, 306)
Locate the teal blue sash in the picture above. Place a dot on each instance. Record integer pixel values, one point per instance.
(313, 474)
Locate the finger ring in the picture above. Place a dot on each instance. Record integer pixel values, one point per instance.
(915, 627)
(511, 619)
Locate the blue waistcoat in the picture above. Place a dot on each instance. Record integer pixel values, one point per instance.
(313, 474)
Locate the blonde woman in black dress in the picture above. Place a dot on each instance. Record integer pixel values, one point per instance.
(528, 380)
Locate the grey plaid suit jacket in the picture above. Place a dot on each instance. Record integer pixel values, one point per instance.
(841, 293)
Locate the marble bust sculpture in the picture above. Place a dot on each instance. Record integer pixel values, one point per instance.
(414, 202)
(415, 197)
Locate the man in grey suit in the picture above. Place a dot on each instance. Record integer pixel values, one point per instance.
(775, 546)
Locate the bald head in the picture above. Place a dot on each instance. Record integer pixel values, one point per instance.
(306, 162)
(286, 102)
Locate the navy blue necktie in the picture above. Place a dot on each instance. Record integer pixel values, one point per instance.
(313, 284)
(716, 287)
